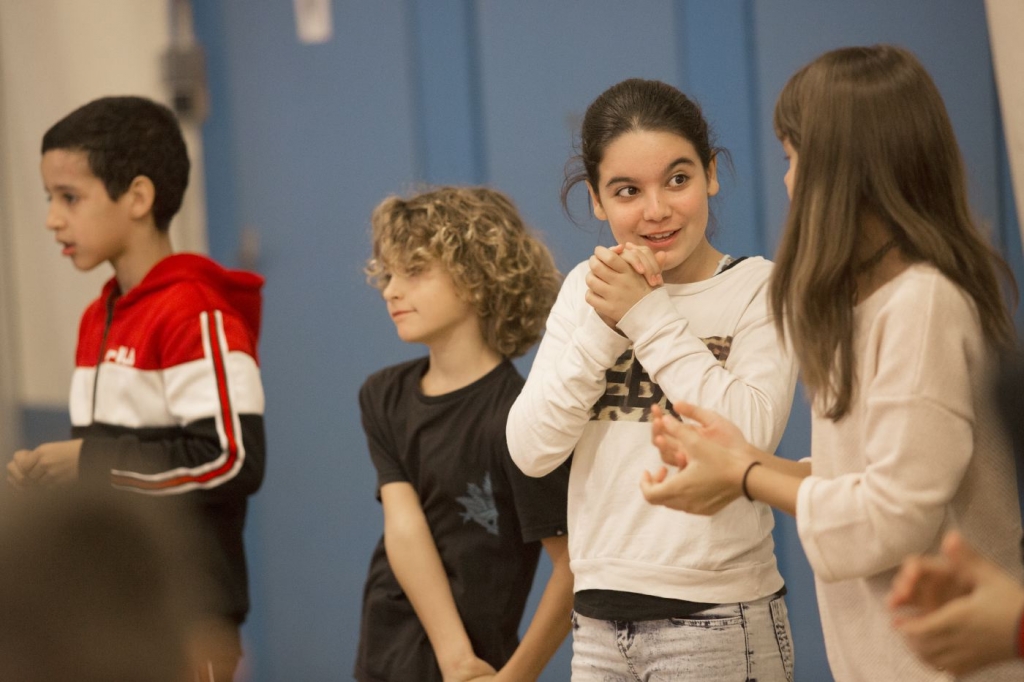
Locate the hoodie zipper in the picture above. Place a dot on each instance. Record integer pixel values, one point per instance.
(103, 350)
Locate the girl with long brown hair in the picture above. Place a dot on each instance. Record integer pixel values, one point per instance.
(890, 298)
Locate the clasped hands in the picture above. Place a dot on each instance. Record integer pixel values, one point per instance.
(711, 453)
(619, 277)
(48, 465)
(478, 670)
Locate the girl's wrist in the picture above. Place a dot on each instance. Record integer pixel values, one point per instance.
(740, 466)
(745, 479)
(754, 454)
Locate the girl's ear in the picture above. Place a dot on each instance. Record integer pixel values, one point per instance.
(140, 196)
(712, 174)
(595, 201)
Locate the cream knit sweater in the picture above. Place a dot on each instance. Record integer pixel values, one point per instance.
(920, 452)
(589, 393)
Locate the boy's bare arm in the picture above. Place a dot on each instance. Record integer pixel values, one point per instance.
(551, 622)
(417, 566)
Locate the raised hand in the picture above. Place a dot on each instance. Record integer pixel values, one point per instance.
(926, 583)
(711, 425)
(663, 429)
(614, 284)
(965, 609)
(643, 260)
(710, 477)
(706, 423)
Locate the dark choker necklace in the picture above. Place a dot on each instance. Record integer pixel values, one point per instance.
(875, 258)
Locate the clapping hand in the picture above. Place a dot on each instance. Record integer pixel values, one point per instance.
(711, 454)
(957, 611)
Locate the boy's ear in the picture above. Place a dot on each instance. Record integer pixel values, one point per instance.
(595, 201)
(140, 196)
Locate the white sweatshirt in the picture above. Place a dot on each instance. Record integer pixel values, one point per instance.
(617, 541)
(920, 452)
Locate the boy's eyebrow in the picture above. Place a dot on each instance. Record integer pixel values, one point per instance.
(59, 188)
(681, 161)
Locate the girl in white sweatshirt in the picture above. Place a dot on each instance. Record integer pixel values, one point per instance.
(890, 298)
(662, 316)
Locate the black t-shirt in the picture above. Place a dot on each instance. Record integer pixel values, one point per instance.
(487, 518)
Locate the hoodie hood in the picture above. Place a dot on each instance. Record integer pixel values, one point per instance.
(238, 289)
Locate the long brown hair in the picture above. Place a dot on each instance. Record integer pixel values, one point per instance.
(873, 138)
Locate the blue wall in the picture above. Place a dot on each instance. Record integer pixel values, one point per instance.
(304, 140)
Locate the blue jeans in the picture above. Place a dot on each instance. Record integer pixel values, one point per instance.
(729, 643)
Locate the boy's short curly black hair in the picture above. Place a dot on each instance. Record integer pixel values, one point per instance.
(476, 234)
(123, 138)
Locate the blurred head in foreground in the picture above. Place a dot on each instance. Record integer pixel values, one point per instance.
(92, 590)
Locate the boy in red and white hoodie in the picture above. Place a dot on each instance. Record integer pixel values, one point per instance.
(166, 398)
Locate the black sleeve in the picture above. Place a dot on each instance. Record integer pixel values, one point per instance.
(379, 434)
(197, 458)
(540, 502)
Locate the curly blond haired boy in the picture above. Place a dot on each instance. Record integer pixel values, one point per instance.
(463, 528)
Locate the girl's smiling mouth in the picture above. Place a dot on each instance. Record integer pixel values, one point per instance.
(659, 237)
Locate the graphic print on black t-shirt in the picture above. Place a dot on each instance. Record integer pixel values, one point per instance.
(630, 393)
(480, 506)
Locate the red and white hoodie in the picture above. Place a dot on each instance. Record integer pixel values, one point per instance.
(168, 400)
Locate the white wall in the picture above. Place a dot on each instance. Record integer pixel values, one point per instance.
(1006, 28)
(56, 55)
